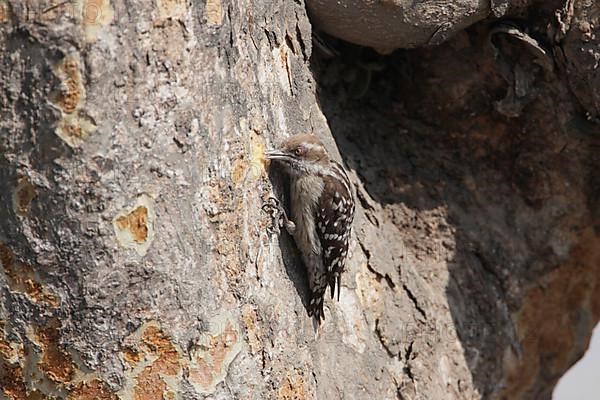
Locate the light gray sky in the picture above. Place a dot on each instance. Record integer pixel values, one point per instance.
(582, 381)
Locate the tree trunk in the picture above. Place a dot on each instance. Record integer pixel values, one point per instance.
(136, 262)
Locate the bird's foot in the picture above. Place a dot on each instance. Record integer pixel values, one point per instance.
(278, 216)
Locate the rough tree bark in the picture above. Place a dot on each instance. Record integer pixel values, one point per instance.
(135, 259)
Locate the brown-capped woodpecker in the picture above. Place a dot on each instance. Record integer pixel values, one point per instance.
(322, 210)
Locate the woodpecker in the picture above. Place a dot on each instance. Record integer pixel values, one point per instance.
(322, 211)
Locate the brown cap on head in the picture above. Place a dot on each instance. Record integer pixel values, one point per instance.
(294, 141)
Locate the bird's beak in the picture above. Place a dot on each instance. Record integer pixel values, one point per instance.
(276, 155)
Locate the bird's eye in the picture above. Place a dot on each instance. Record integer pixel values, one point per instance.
(299, 151)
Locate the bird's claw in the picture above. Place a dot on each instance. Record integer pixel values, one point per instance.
(278, 216)
(273, 208)
(271, 203)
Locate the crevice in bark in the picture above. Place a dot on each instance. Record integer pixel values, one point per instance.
(413, 299)
(383, 341)
(407, 359)
(300, 41)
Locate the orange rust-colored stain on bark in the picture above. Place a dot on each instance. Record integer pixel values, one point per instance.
(131, 357)
(68, 99)
(137, 223)
(250, 321)
(157, 342)
(5, 350)
(292, 389)
(249, 169)
(12, 380)
(94, 390)
(219, 347)
(8, 352)
(551, 317)
(150, 384)
(11, 376)
(12, 384)
(55, 363)
(4, 12)
(239, 171)
(72, 129)
(21, 278)
(25, 193)
(203, 374)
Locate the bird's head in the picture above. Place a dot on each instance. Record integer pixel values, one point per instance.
(300, 154)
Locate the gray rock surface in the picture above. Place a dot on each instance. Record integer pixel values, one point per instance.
(387, 25)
